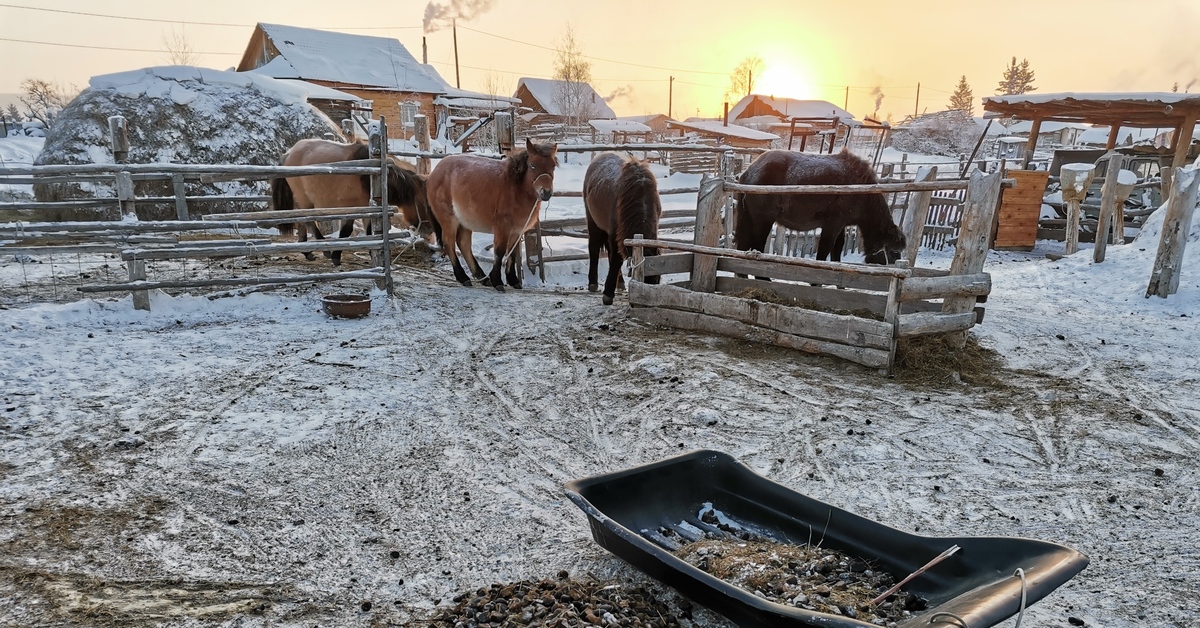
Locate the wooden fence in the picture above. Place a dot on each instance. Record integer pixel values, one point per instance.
(859, 313)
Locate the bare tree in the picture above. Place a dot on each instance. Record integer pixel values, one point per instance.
(179, 49)
(43, 99)
(743, 77)
(495, 85)
(574, 97)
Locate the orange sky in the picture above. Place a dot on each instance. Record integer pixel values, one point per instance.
(811, 49)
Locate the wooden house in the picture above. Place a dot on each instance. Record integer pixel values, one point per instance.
(542, 96)
(714, 131)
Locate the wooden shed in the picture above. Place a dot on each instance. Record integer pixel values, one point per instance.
(1020, 210)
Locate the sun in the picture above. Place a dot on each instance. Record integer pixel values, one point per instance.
(785, 80)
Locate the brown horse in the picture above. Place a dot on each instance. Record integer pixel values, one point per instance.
(883, 242)
(468, 193)
(620, 198)
(406, 189)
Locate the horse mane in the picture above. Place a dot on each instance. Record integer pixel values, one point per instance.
(637, 203)
(857, 169)
(517, 162)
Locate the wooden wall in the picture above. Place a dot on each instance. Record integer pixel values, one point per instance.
(1020, 209)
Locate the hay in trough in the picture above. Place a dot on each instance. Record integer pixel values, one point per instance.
(931, 360)
(768, 296)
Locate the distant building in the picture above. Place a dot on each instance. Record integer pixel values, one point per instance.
(542, 96)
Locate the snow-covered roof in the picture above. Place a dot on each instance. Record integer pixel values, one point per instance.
(169, 81)
(320, 92)
(770, 122)
(620, 126)
(732, 130)
(1048, 126)
(464, 97)
(643, 118)
(544, 90)
(1099, 135)
(312, 54)
(1130, 97)
(792, 108)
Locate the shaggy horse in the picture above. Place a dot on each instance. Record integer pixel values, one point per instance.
(406, 189)
(883, 242)
(468, 193)
(620, 197)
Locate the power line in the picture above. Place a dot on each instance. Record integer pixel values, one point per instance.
(62, 45)
(636, 65)
(185, 22)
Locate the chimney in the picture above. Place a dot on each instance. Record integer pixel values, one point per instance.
(424, 52)
(726, 117)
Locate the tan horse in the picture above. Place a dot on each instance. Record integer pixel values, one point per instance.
(620, 199)
(468, 193)
(406, 190)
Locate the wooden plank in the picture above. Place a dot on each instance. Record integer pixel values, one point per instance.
(361, 166)
(117, 226)
(708, 233)
(340, 244)
(663, 192)
(974, 234)
(1108, 201)
(230, 281)
(927, 323)
(670, 264)
(775, 270)
(828, 297)
(272, 214)
(917, 215)
(843, 329)
(872, 188)
(693, 321)
(137, 273)
(918, 288)
(842, 267)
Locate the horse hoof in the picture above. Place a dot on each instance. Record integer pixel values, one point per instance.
(592, 287)
(487, 281)
(327, 254)
(608, 300)
(310, 257)
(499, 288)
(465, 282)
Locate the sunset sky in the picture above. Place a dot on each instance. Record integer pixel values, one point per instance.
(811, 49)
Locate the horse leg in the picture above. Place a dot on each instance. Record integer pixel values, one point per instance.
(302, 236)
(499, 248)
(614, 270)
(347, 229)
(597, 240)
(750, 232)
(510, 272)
(449, 237)
(468, 253)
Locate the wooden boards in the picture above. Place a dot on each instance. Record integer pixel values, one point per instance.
(1020, 208)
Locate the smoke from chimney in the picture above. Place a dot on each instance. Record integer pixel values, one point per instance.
(439, 14)
(620, 92)
(878, 94)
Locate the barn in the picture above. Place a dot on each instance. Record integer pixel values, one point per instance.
(542, 96)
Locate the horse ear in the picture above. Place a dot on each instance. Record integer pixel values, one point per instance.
(529, 144)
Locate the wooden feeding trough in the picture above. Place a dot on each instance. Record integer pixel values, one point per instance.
(641, 515)
(851, 311)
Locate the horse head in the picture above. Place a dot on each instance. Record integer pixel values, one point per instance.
(887, 247)
(541, 159)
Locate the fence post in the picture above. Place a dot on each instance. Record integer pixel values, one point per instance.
(1108, 197)
(1075, 182)
(708, 232)
(636, 271)
(505, 138)
(917, 215)
(125, 197)
(348, 129)
(379, 193)
(533, 251)
(421, 128)
(137, 272)
(118, 133)
(983, 194)
(1185, 186)
(180, 191)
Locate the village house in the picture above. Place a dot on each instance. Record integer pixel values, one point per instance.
(379, 71)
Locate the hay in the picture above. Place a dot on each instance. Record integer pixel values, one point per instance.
(931, 360)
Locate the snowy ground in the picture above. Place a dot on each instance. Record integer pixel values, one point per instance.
(246, 461)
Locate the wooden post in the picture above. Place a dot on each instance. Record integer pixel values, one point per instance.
(1075, 182)
(1108, 201)
(180, 191)
(891, 312)
(1124, 184)
(1164, 279)
(1113, 130)
(637, 270)
(708, 232)
(118, 133)
(348, 129)
(917, 214)
(137, 272)
(380, 150)
(983, 194)
(533, 251)
(504, 132)
(421, 126)
(1182, 141)
(125, 195)
(1031, 145)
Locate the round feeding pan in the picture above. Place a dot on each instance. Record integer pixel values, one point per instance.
(346, 305)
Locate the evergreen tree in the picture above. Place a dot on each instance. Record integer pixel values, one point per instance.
(963, 99)
(1017, 79)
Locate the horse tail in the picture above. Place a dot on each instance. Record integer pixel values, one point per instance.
(282, 199)
(638, 205)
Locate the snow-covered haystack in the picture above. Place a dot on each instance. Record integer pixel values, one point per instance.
(181, 114)
(949, 133)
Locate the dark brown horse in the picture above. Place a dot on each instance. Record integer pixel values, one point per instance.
(883, 242)
(468, 193)
(620, 197)
(406, 189)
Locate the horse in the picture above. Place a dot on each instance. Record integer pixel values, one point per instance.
(620, 198)
(406, 189)
(883, 241)
(469, 193)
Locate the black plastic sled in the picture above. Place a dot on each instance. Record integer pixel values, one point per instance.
(628, 510)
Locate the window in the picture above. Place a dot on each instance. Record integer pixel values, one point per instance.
(408, 112)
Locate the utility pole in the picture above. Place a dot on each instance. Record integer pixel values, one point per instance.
(670, 95)
(424, 52)
(846, 102)
(917, 107)
(457, 80)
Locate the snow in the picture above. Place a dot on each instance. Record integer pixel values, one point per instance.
(170, 466)
(1126, 177)
(320, 92)
(1164, 98)
(624, 126)
(546, 91)
(731, 130)
(311, 54)
(1048, 126)
(171, 80)
(19, 150)
(793, 108)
